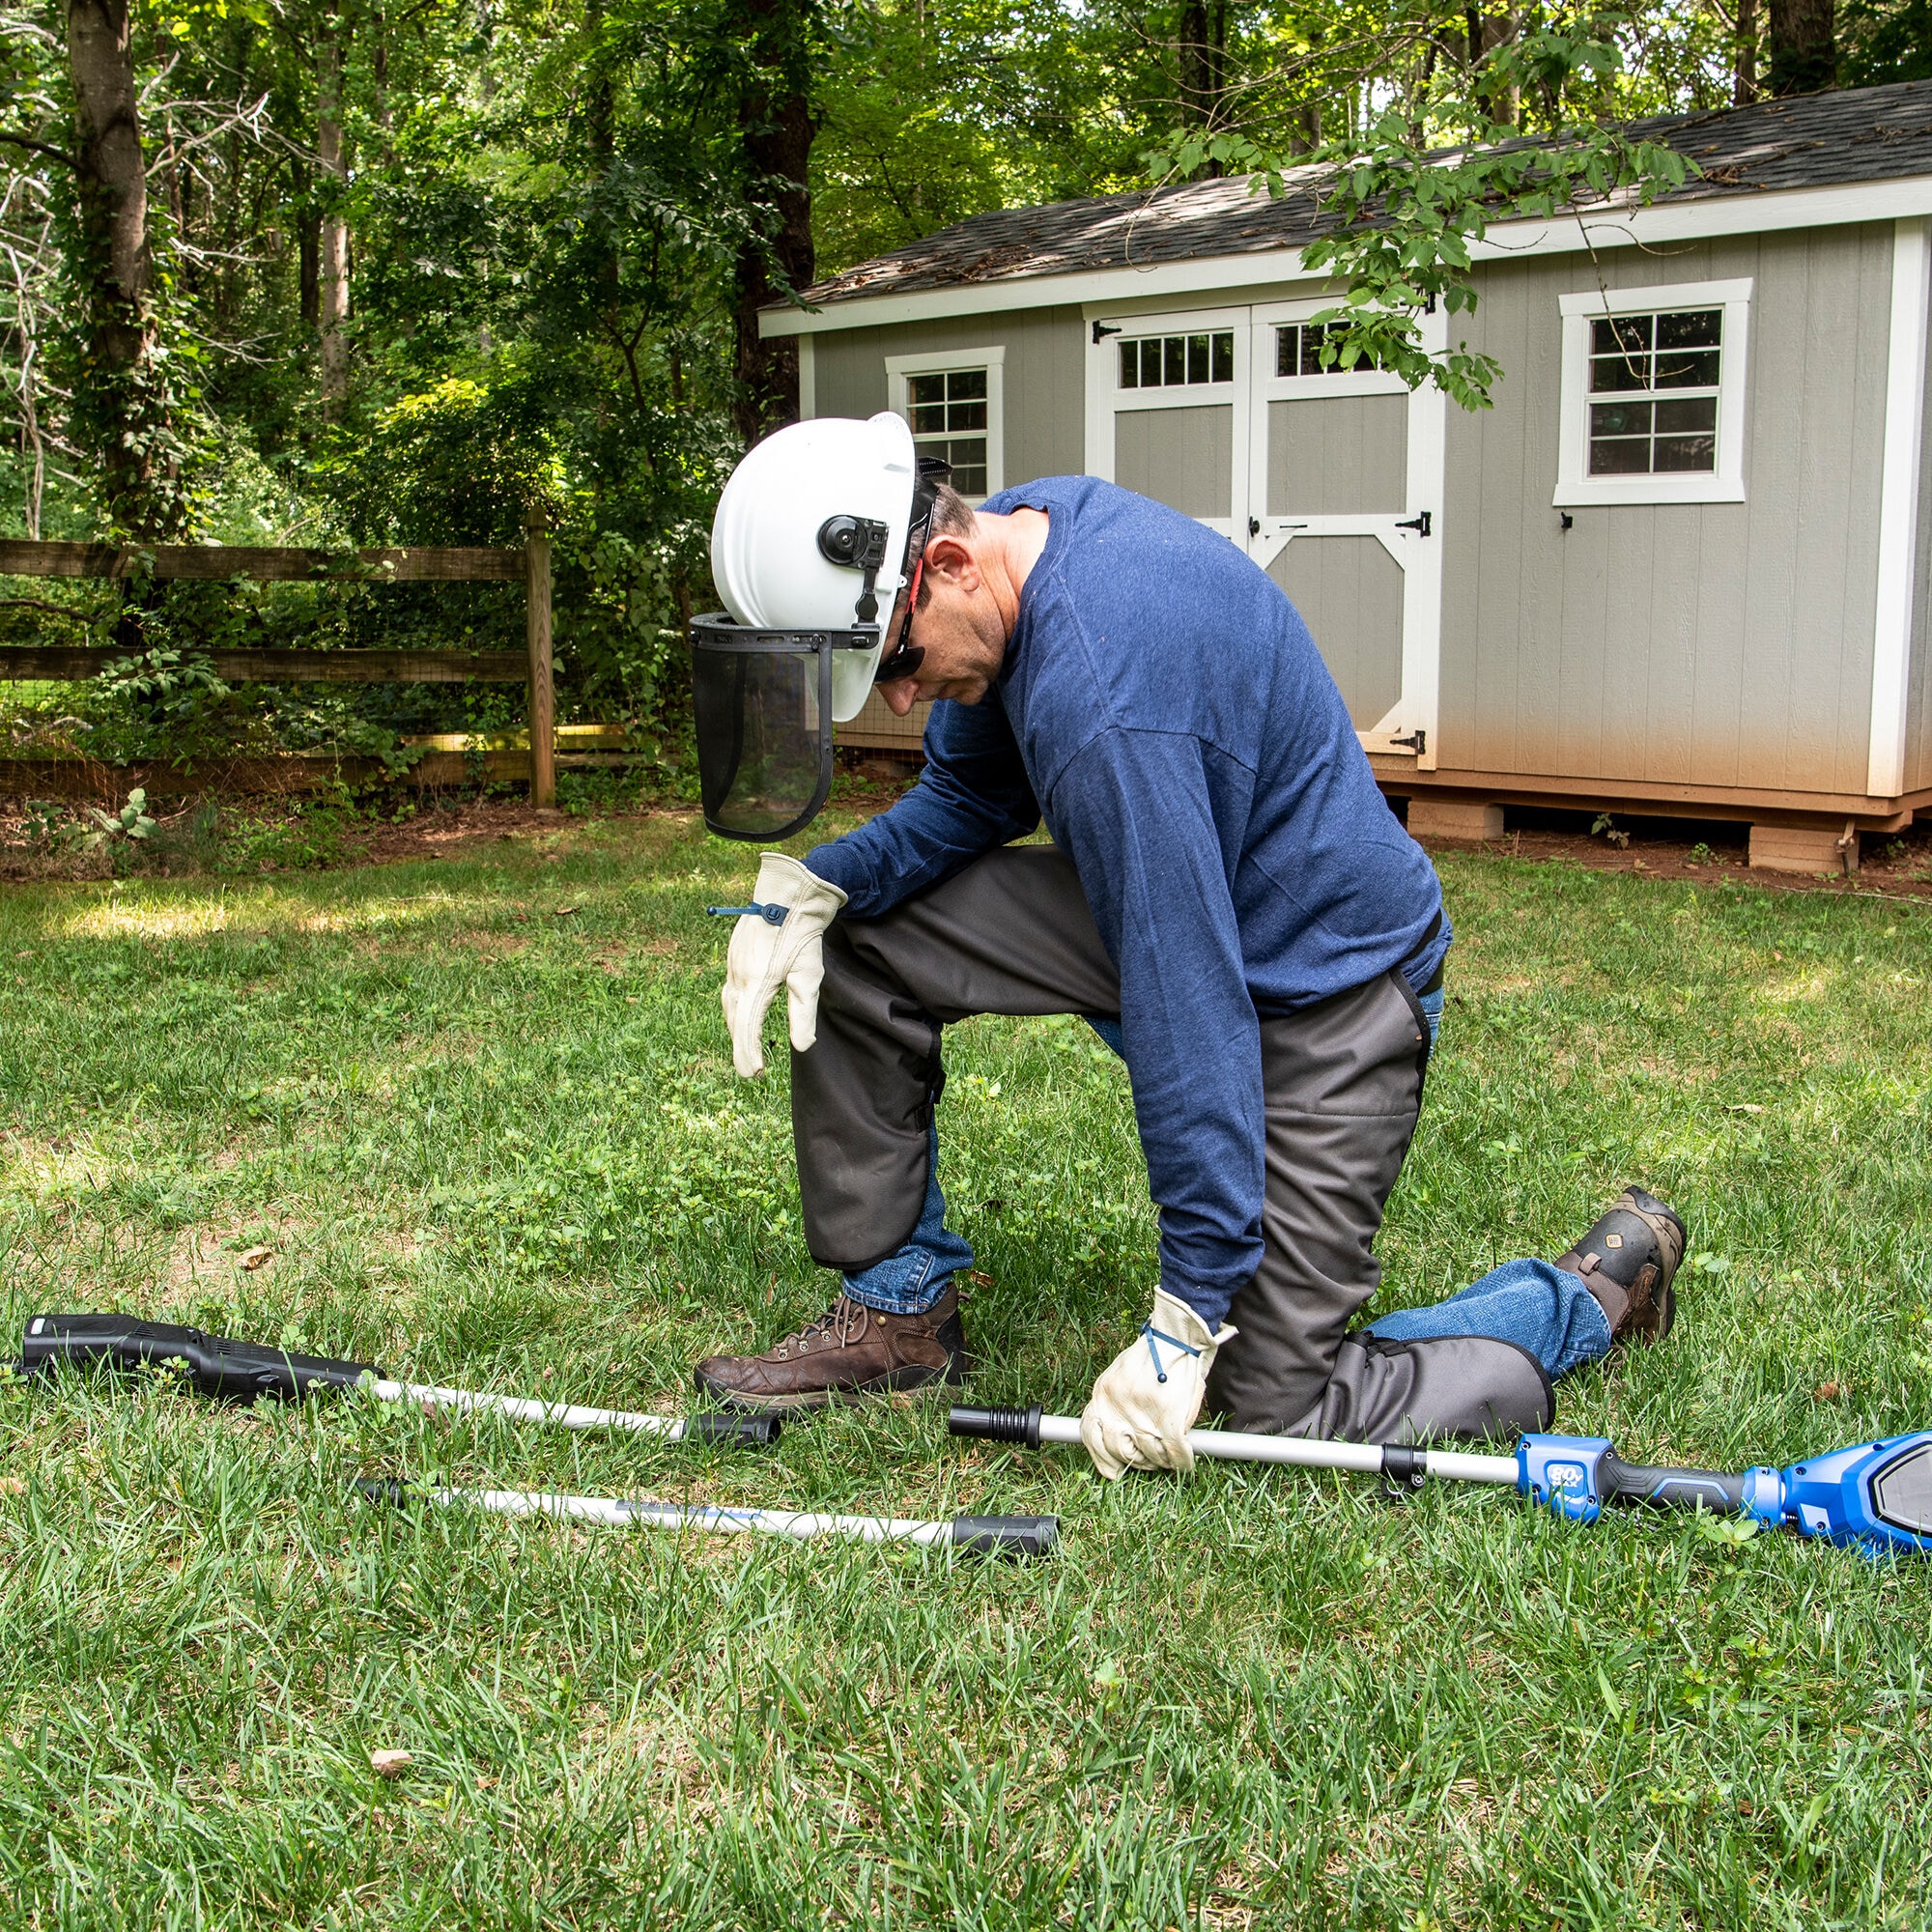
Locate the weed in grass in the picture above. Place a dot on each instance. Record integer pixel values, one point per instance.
(509, 1152)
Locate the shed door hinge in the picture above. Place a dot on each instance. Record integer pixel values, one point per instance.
(1417, 742)
(1419, 525)
(1103, 329)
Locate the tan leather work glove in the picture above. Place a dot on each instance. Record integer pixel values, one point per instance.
(1148, 1396)
(764, 956)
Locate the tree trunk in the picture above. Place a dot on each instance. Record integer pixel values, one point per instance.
(122, 392)
(776, 128)
(1803, 49)
(333, 307)
(1204, 66)
(1743, 80)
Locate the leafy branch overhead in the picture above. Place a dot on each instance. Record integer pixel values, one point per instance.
(1406, 203)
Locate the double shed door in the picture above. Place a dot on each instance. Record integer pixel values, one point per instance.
(1330, 480)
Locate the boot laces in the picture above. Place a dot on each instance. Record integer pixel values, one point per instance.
(844, 1322)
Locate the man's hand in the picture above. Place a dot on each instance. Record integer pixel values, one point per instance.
(763, 957)
(1146, 1401)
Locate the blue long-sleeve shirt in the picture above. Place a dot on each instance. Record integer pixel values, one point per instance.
(1165, 709)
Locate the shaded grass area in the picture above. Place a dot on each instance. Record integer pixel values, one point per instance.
(482, 1114)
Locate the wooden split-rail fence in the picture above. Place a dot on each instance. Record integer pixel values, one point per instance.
(218, 563)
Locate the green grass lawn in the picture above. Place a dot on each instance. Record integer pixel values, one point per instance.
(493, 1141)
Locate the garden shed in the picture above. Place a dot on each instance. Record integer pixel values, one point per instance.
(1681, 567)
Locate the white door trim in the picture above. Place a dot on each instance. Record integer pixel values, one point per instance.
(1899, 506)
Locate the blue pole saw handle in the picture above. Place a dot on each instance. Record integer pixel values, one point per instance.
(1876, 1497)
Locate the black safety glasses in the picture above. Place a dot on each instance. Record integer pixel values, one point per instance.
(903, 656)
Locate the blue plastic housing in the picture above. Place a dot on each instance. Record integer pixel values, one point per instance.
(1875, 1494)
(1561, 1472)
(1876, 1497)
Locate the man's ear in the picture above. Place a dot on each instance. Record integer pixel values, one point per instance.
(952, 561)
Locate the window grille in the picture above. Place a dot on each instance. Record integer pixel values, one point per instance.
(1177, 361)
(1654, 392)
(1297, 349)
(949, 419)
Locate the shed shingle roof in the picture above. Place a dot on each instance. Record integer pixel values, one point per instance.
(1818, 140)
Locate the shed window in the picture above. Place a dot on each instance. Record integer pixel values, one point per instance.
(1177, 361)
(949, 413)
(1654, 394)
(1298, 345)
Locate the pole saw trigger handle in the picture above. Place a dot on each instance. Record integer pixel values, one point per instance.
(1577, 1475)
(239, 1371)
(1874, 1496)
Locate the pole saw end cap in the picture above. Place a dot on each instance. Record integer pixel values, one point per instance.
(391, 1489)
(733, 1431)
(1014, 1537)
(998, 1425)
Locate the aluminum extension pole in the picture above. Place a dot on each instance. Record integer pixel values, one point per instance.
(748, 1429)
(983, 1535)
(1031, 1428)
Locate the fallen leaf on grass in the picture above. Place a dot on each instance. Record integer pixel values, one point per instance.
(257, 1258)
(389, 1763)
(11, 1485)
(1742, 1107)
(1829, 1391)
(564, 912)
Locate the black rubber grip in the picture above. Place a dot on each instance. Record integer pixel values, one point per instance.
(1670, 1488)
(386, 1489)
(1012, 1536)
(998, 1425)
(747, 1432)
(240, 1371)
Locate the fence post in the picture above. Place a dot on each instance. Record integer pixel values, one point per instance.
(543, 697)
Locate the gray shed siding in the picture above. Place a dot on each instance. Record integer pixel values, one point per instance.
(1710, 644)
(1044, 377)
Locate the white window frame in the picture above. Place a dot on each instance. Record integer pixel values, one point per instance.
(899, 369)
(1575, 487)
(1360, 381)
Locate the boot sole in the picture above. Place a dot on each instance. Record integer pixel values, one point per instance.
(954, 1376)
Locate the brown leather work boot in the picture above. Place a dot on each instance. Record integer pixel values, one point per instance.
(851, 1351)
(1628, 1261)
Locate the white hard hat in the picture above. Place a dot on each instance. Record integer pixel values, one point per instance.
(772, 551)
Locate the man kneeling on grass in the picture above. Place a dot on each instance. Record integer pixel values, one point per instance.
(1229, 901)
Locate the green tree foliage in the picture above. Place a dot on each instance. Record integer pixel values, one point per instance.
(415, 268)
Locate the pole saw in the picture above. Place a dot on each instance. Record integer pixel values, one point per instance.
(246, 1371)
(1875, 1497)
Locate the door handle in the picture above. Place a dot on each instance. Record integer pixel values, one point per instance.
(1254, 526)
(1419, 525)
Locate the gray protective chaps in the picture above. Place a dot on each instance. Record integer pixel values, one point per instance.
(1012, 934)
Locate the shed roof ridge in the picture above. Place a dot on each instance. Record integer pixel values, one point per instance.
(1829, 140)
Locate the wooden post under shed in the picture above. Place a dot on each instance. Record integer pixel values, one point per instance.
(543, 697)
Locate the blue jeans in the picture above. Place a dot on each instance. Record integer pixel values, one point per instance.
(1539, 1307)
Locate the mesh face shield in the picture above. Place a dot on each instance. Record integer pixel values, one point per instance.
(762, 706)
